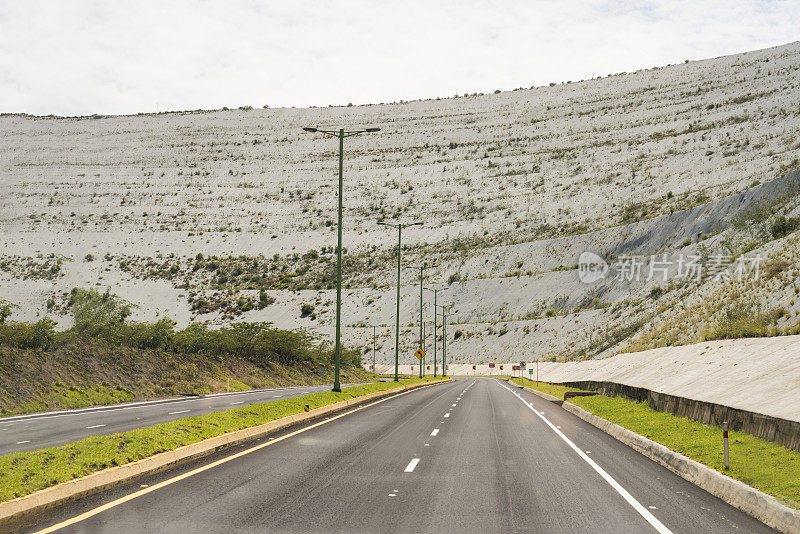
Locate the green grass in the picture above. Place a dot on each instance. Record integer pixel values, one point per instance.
(764, 465)
(26, 472)
(551, 389)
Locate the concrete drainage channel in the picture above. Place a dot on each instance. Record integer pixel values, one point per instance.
(763, 507)
(19, 512)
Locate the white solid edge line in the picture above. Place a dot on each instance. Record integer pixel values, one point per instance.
(435, 431)
(411, 465)
(644, 512)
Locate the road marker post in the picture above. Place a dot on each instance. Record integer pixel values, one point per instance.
(725, 444)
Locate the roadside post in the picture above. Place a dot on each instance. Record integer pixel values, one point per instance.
(725, 444)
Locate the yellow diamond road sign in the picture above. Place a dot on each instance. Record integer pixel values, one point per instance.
(420, 354)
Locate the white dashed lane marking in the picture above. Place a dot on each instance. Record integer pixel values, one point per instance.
(435, 431)
(411, 465)
(94, 426)
(179, 411)
(447, 414)
(21, 442)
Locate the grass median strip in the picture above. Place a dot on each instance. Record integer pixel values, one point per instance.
(27, 472)
(761, 464)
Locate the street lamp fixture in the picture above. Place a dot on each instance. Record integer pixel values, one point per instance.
(340, 134)
(399, 227)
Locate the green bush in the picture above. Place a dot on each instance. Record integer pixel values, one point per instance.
(5, 310)
(34, 336)
(102, 317)
(98, 315)
(783, 226)
(745, 321)
(306, 309)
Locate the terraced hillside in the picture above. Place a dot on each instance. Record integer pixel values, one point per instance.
(216, 216)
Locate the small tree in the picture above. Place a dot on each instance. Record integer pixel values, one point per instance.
(98, 315)
(5, 310)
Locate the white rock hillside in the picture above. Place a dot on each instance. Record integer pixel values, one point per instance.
(228, 215)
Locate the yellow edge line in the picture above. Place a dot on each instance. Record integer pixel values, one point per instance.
(134, 495)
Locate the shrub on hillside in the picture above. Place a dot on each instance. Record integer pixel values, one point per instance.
(6, 309)
(98, 315)
(745, 321)
(40, 335)
(784, 226)
(102, 317)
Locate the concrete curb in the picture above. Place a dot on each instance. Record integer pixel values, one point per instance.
(18, 510)
(763, 507)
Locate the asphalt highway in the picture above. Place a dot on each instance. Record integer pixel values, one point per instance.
(473, 455)
(37, 431)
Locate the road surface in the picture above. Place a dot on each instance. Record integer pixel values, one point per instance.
(38, 431)
(467, 456)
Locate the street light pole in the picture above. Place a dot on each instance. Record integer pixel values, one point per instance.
(421, 271)
(444, 340)
(435, 329)
(399, 227)
(337, 351)
(374, 369)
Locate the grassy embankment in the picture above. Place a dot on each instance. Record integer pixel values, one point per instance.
(87, 373)
(764, 465)
(26, 472)
(105, 359)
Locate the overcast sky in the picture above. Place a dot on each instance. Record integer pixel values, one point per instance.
(71, 57)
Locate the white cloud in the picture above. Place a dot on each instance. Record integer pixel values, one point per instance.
(81, 57)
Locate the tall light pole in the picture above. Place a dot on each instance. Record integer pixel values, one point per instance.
(444, 338)
(374, 369)
(421, 271)
(435, 330)
(399, 227)
(341, 134)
